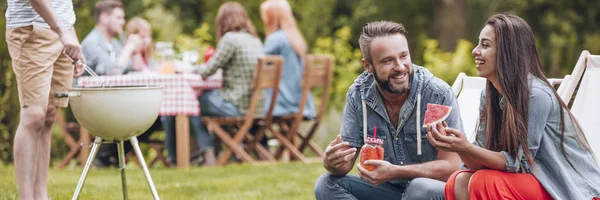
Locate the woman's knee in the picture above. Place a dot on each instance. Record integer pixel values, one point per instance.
(482, 179)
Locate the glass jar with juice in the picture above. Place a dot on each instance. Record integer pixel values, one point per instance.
(372, 150)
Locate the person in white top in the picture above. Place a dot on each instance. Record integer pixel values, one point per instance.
(40, 38)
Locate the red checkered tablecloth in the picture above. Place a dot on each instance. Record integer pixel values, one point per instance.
(180, 91)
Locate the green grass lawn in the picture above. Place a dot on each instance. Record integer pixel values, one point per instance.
(276, 181)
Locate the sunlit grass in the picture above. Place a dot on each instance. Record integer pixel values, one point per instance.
(276, 181)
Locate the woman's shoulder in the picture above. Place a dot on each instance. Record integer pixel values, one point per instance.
(279, 34)
(539, 87)
(240, 39)
(232, 35)
(277, 37)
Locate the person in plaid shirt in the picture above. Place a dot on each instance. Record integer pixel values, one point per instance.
(237, 53)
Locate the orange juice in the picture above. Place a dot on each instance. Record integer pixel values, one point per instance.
(168, 68)
(372, 150)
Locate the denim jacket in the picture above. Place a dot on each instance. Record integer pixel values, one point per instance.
(400, 143)
(551, 168)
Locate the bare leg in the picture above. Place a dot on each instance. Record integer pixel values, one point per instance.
(44, 143)
(27, 150)
(461, 186)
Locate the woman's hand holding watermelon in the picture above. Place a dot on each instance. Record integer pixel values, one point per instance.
(448, 139)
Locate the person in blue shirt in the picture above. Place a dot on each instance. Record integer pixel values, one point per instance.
(283, 38)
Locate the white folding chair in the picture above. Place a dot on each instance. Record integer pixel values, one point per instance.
(468, 91)
(586, 104)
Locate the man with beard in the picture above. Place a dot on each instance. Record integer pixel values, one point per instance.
(390, 91)
(104, 53)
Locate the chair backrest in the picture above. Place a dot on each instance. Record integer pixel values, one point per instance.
(567, 88)
(586, 104)
(266, 76)
(318, 73)
(468, 91)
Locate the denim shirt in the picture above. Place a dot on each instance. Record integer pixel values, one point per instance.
(100, 56)
(400, 143)
(290, 88)
(551, 168)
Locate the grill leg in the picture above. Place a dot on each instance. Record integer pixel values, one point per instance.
(88, 163)
(138, 153)
(122, 166)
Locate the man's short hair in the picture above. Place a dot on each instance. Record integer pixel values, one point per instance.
(106, 6)
(376, 29)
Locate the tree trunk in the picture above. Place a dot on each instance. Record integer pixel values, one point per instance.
(450, 23)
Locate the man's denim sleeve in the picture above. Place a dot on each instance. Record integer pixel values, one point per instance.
(540, 106)
(351, 129)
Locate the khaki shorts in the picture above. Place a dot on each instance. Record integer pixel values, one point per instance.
(39, 65)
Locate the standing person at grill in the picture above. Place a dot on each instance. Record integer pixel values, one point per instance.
(40, 38)
(283, 38)
(238, 49)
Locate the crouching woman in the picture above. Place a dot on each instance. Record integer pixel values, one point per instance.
(528, 145)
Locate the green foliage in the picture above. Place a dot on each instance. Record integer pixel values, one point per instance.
(199, 40)
(165, 23)
(447, 65)
(9, 103)
(347, 63)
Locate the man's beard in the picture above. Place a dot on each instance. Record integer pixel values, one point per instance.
(387, 85)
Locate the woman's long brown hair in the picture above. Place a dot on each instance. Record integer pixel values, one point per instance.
(135, 26)
(232, 17)
(507, 127)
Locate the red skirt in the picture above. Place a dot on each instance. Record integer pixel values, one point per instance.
(494, 184)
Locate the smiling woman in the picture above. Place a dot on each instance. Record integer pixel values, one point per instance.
(486, 51)
(528, 143)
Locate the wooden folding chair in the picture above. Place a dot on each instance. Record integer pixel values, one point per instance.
(65, 128)
(267, 75)
(158, 146)
(318, 73)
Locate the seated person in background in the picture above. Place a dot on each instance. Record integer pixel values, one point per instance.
(389, 91)
(284, 38)
(105, 56)
(529, 145)
(141, 58)
(238, 49)
(103, 52)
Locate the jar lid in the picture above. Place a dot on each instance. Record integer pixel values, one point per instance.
(374, 140)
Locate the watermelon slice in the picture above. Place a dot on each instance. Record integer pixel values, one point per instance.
(435, 114)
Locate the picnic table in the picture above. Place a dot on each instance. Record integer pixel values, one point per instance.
(180, 99)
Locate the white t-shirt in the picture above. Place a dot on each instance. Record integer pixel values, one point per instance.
(19, 13)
